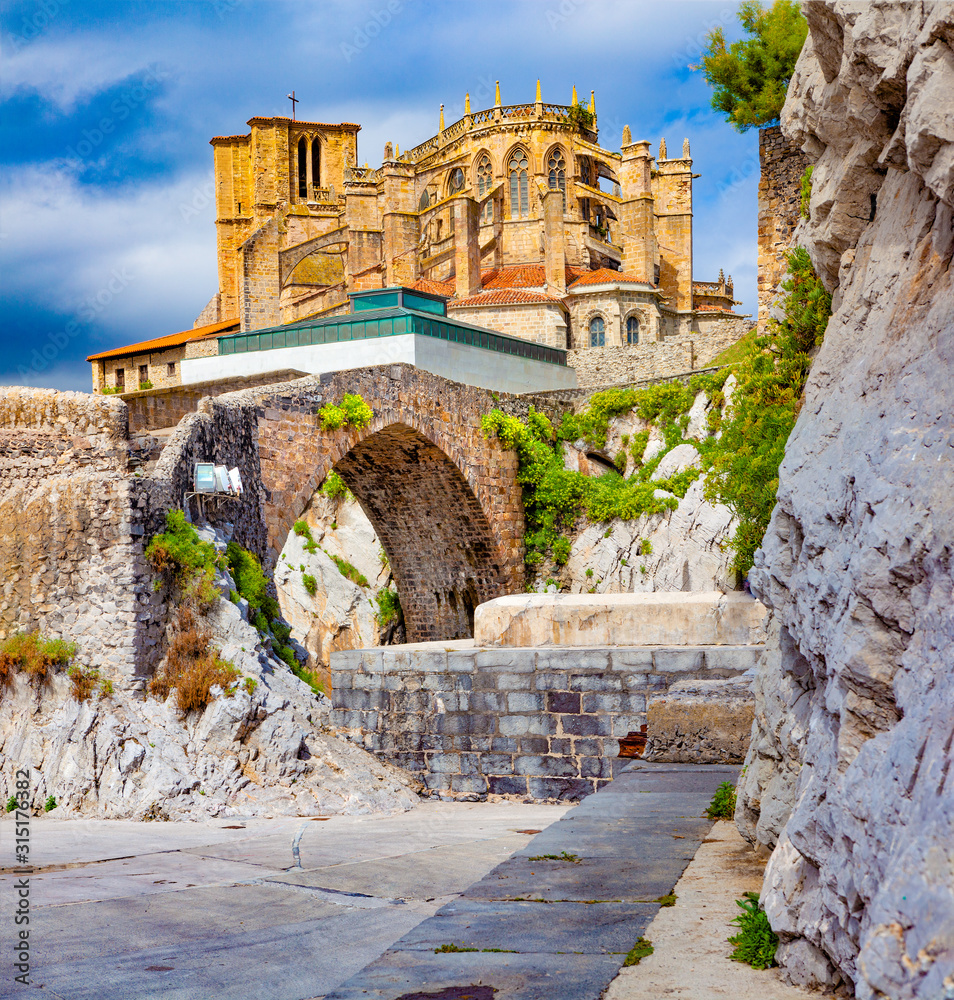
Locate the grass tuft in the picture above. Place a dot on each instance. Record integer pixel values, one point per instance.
(756, 942)
(638, 952)
(722, 805)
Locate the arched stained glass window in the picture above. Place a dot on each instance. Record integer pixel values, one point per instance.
(456, 182)
(519, 185)
(584, 162)
(302, 167)
(556, 168)
(485, 181)
(597, 332)
(632, 330)
(315, 163)
(425, 200)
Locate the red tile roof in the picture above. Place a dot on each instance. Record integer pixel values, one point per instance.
(172, 340)
(605, 276)
(505, 297)
(434, 287)
(526, 276)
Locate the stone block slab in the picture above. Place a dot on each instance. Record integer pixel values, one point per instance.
(653, 619)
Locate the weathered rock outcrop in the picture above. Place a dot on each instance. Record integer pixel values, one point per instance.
(852, 749)
(267, 749)
(333, 612)
(685, 549)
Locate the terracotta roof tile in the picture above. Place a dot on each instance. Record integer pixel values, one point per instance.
(524, 276)
(505, 297)
(172, 340)
(605, 276)
(434, 287)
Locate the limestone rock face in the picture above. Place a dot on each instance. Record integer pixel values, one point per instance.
(684, 549)
(339, 614)
(852, 747)
(262, 752)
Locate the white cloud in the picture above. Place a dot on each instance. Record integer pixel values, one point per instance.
(142, 259)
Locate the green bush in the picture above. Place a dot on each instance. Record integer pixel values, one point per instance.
(50, 804)
(145, 385)
(389, 607)
(335, 488)
(352, 573)
(311, 584)
(184, 562)
(744, 463)
(249, 577)
(287, 654)
(580, 117)
(561, 550)
(13, 803)
(806, 192)
(353, 411)
(722, 805)
(303, 530)
(756, 942)
(554, 497)
(31, 654)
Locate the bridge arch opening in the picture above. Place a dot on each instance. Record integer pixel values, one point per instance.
(437, 537)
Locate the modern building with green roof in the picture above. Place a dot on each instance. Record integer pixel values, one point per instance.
(387, 326)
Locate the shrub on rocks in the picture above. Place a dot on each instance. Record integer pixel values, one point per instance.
(192, 668)
(184, 562)
(31, 654)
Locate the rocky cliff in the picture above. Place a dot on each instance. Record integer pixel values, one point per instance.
(849, 772)
(265, 748)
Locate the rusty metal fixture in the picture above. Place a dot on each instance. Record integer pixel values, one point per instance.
(633, 744)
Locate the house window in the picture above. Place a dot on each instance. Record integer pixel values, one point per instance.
(302, 167)
(171, 369)
(556, 165)
(485, 181)
(456, 180)
(143, 374)
(632, 330)
(120, 378)
(315, 165)
(519, 185)
(597, 332)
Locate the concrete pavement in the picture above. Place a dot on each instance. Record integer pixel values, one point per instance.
(281, 909)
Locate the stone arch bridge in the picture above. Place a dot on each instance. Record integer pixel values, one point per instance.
(443, 499)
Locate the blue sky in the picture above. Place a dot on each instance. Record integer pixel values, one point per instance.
(107, 231)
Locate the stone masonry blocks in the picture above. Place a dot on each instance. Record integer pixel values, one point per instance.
(538, 723)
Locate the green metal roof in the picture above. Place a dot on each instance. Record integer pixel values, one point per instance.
(394, 321)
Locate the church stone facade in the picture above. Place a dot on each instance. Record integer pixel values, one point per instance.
(515, 213)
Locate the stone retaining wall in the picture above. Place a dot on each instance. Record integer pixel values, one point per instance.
(153, 408)
(675, 355)
(72, 521)
(475, 721)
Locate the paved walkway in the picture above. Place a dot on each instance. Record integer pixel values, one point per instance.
(278, 909)
(555, 921)
(355, 907)
(691, 960)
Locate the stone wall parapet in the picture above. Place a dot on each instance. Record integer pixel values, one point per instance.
(473, 721)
